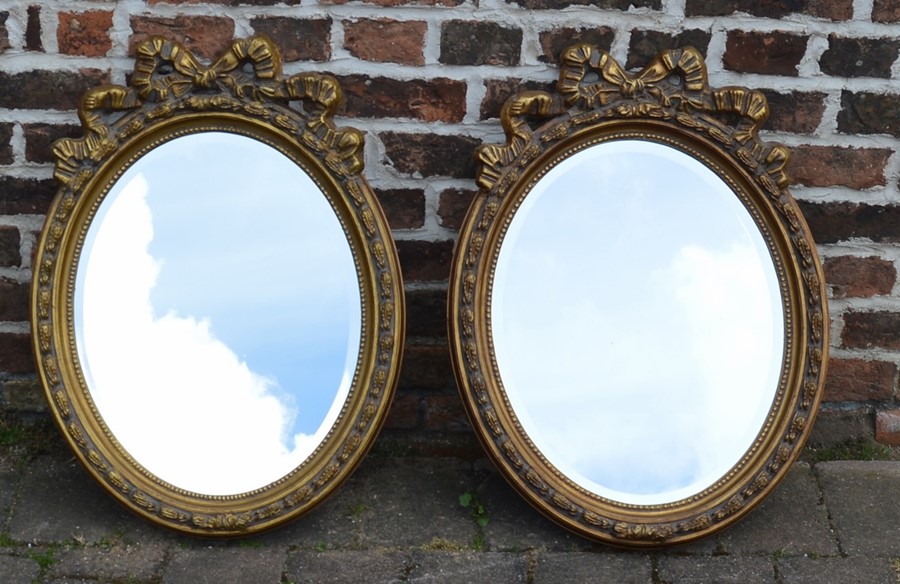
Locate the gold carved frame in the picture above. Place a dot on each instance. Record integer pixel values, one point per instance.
(669, 102)
(171, 94)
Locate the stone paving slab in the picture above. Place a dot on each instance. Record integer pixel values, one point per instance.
(338, 567)
(135, 562)
(863, 499)
(413, 502)
(468, 568)
(9, 486)
(226, 565)
(398, 519)
(837, 570)
(513, 524)
(593, 568)
(336, 523)
(59, 502)
(716, 570)
(791, 520)
(18, 570)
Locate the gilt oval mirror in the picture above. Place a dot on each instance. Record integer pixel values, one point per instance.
(636, 305)
(218, 314)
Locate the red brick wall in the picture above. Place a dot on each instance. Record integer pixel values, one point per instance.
(425, 79)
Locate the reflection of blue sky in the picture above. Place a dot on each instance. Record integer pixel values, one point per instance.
(637, 322)
(240, 299)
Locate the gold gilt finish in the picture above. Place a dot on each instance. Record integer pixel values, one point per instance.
(669, 102)
(172, 94)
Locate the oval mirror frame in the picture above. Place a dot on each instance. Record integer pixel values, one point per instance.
(669, 102)
(171, 94)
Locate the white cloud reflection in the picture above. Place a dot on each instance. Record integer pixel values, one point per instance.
(637, 323)
(178, 398)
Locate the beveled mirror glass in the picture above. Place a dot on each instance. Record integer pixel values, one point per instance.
(636, 305)
(218, 311)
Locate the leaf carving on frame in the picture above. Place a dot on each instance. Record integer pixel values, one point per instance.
(143, 501)
(564, 503)
(700, 522)
(230, 521)
(174, 515)
(762, 480)
(733, 505)
(643, 531)
(62, 402)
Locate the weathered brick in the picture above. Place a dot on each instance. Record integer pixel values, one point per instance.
(426, 313)
(859, 380)
(826, 166)
(831, 9)
(886, 11)
(865, 330)
(430, 154)
(404, 413)
(425, 261)
(860, 277)
(554, 42)
(228, 2)
(835, 425)
(35, 236)
(832, 222)
(887, 427)
(497, 91)
(10, 244)
(453, 205)
(432, 100)
(25, 195)
(57, 90)
(6, 152)
(84, 33)
(427, 367)
(797, 112)
(858, 57)
(14, 298)
(767, 53)
(40, 137)
(4, 31)
(404, 208)
(445, 413)
(646, 44)
(206, 36)
(869, 113)
(613, 4)
(479, 43)
(387, 3)
(33, 40)
(15, 353)
(298, 39)
(23, 395)
(385, 40)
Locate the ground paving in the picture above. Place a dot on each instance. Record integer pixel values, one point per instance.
(398, 519)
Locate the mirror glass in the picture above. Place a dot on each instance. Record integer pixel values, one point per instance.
(637, 322)
(217, 313)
